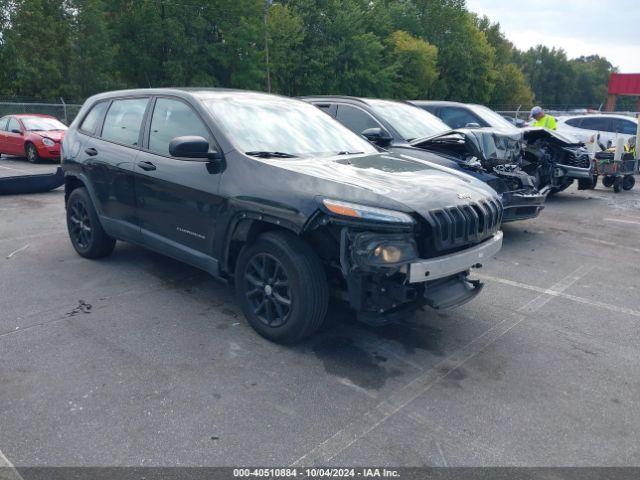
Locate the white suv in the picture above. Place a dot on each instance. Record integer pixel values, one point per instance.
(610, 127)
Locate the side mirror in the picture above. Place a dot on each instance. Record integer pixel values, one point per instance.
(472, 125)
(377, 135)
(15, 130)
(192, 147)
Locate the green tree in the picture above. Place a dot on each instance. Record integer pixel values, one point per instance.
(511, 88)
(286, 33)
(93, 63)
(36, 50)
(592, 76)
(550, 75)
(415, 65)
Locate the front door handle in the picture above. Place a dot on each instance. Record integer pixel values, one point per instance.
(147, 166)
(92, 152)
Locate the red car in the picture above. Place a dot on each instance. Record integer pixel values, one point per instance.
(36, 137)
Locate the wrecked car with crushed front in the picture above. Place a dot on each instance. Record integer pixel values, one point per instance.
(553, 159)
(490, 155)
(275, 196)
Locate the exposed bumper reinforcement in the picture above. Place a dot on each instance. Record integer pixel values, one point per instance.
(447, 265)
(452, 292)
(575, 172)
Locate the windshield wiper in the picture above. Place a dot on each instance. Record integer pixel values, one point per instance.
(267, 154)
(346, 152)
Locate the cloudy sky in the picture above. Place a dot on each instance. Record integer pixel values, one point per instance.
(610, 28)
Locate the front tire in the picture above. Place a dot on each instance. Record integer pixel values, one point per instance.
(281, 287)
(31, 152)
(85, 231)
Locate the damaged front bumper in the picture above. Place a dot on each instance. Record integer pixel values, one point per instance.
(382, 295)
(522, 204)
(448, 265)
(570, 171)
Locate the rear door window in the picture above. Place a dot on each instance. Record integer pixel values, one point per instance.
(92, 119)
(124, 121)
(458, 117)
(3, 123)
(600, 124)
(355, 119)
(171, 119)
(574, 122)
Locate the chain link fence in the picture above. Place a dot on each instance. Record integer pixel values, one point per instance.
(65, 112)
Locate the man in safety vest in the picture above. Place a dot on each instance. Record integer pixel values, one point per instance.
(542, 119)
(630, 146)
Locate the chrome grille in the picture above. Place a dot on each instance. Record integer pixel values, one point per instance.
(465, 224)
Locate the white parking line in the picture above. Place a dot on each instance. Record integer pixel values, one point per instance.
(15, 169)
(323, 453)
(619, 220)
(7, 470)
(551, 292)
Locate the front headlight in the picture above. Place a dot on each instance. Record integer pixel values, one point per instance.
(48, 142)
(365, 212)
(383, 250)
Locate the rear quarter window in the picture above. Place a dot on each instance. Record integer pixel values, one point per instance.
(91, 120)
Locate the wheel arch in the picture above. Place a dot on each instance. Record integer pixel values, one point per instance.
(244, 229)
(73, 181)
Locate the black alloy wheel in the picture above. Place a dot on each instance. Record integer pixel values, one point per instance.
(80, 225)
(267, 289)
(281, 287)
(85, 230)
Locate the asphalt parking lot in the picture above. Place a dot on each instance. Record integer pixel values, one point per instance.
(139, 360)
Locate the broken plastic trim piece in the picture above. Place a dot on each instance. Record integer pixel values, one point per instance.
(36, 183)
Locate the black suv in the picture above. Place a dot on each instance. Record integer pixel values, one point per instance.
(275, 195)
(490, 155)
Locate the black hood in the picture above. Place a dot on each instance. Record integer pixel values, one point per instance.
(408, 183)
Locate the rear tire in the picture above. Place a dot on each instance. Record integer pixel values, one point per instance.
(281, 287)
(31, 152)
(617, 184)
(85, 231)
(607, 181)
(628, 182)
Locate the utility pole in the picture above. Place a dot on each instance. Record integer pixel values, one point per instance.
(266, 44)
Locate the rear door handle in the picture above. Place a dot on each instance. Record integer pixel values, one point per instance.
(92, 152)
(147, 166)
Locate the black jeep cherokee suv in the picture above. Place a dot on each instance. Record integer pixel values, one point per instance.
(277, 196)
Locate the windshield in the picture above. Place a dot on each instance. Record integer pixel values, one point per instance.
(42, 124)
(492, 118)
(409, 121)
(281, 127)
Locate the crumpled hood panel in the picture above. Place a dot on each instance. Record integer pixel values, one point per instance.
(491, 146)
